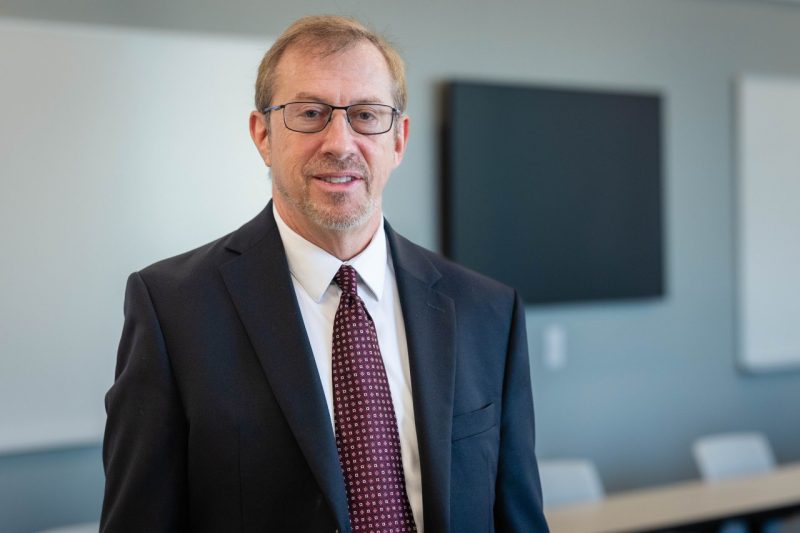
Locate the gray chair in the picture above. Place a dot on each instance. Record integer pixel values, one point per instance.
(730, 455)
(568, 481)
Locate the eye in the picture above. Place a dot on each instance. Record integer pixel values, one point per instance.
(364, 114)
(308, 111)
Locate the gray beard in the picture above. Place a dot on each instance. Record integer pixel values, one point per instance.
(337, 221)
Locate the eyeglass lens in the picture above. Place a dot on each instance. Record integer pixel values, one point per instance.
(311, 117)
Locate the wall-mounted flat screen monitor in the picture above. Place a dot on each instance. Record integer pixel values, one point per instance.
(556, 192)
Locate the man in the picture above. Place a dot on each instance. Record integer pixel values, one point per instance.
(313, 370)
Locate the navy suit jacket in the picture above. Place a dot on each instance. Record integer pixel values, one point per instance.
(217, 420)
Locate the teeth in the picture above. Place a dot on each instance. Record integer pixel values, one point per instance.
(338, 179)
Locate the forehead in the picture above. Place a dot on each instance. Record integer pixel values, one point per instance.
(357, 73)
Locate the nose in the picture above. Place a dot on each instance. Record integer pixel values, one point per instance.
(339, 140)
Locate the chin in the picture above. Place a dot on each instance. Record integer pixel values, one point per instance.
(338, 219)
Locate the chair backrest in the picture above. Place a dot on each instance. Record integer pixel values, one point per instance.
(732, 454)
(566, 481)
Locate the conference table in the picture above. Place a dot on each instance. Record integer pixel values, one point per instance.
(688, 506)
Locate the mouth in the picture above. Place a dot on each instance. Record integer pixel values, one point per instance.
(337, 179)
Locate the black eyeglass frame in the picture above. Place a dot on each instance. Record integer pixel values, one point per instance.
(395, 113)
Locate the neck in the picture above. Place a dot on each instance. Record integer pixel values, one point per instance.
(342, 244)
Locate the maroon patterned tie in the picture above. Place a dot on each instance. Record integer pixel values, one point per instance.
(366, 428)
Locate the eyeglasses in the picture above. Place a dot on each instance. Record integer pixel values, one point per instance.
(312, 117)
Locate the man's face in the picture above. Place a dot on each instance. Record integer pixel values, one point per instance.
(333, 179)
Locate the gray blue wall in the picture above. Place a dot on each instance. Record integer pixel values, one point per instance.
(642, 379)
(50, 488)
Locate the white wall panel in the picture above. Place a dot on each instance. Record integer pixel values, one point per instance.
(118, 147)
(769, 222)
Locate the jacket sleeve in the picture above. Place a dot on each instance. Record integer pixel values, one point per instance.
(518, 503)
(144, 449)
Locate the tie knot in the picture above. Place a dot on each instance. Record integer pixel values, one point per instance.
(345, 278)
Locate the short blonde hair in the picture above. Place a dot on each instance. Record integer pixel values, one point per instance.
(327, 34)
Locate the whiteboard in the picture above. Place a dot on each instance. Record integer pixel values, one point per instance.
(769, 222)
(118, 147)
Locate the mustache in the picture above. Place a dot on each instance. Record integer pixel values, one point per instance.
(328, 163)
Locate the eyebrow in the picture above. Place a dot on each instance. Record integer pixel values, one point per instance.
(311, 97)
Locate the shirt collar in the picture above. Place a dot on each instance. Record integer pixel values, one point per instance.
(314, 268)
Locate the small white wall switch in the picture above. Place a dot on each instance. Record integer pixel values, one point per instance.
(554, 340)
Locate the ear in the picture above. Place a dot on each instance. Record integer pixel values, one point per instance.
(400, 138)
(259, 132)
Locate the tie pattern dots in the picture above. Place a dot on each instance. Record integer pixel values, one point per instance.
(366, 427)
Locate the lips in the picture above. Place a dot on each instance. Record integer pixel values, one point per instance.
(337, 172)
(340, 176)
(337, 179)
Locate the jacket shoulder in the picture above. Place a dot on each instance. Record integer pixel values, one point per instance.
(204, 261)
(445, 274)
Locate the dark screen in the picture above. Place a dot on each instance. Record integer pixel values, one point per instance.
(555, 192)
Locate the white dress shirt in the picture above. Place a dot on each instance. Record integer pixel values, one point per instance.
(312, 270)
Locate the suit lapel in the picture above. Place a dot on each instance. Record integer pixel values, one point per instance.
(429, 318)
(261, 288)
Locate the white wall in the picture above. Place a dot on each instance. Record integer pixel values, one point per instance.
(117, 148)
